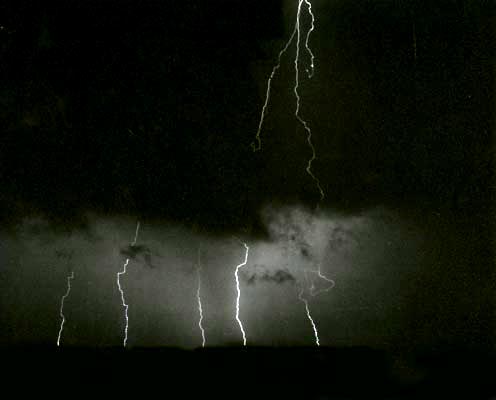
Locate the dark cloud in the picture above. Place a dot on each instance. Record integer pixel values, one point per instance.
(260, 273)
(280, 276)
(137, 251)
(64, 254)
(305, 252)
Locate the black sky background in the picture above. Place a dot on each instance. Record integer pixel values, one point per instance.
(150, 107)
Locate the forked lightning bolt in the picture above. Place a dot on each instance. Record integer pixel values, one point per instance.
(257, 145)
(309, 316)
(198, 297)
(62, 301)
(238, 267)
(295, 89)
(119, 274)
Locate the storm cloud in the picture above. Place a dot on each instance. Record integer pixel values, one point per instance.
(260, 273)
(138, 252)
(388, 270)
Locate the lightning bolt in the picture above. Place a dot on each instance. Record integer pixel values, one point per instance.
(238, 267)
(295, 89)
(309, 32)
(257, 145)
(119, 274)
(62, 301)
(309, 316)
(198, 297)
(319, 273)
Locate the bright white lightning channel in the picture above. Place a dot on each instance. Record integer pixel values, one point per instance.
(309, 316)
(123, 272)
(198, 297)
(309, 32)
(62, 301)
(238, 267)
(257, 145)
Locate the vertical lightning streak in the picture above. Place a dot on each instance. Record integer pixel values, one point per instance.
(258, 145)
(309, 316)
(123, 300)
(307, 46)
(297, 95)
(238, 267)
(198, 297)
(62, 301)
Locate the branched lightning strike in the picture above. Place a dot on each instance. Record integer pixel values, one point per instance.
(309, 316)
(238, 267)
(297, 95)
(310, 71)
(198, 297)
(119, 274)
(62, 301)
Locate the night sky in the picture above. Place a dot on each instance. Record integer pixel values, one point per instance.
(114, 112)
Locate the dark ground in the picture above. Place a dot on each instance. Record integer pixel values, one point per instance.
(253, 373)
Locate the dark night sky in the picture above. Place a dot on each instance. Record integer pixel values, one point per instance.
(114, 111)
(188, 81)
